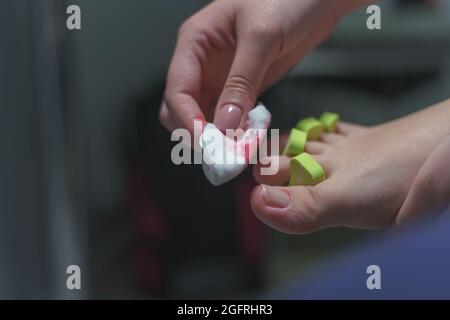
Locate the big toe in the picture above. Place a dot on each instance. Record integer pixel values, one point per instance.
(294, 210)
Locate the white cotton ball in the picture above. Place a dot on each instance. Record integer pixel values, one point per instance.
(224, 158)
(259, 117)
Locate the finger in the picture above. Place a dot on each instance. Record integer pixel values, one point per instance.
(165, 119)
(430, 190)
(288, 60)
(284, 64)
(183, 86)
(294, 210)
(252, 59)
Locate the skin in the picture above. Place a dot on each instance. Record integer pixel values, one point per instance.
(376, 176)
(231, 50)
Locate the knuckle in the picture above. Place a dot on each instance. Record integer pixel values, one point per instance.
(186, 26)
(190, 25)
(263, 33)
(240, 87)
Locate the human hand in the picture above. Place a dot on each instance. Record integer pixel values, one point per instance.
(231, 50)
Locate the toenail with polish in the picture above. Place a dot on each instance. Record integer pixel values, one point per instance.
(276, 197)
(296, 143)
(311, 126)
(305, 171)
(330, 121)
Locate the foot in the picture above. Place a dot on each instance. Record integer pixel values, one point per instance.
(370, 171)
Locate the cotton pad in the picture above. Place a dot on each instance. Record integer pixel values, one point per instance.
(305, 171)
(330, 121)
(295, 144)
(224, 158)
(311, 126)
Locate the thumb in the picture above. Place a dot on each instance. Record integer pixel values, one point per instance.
(241, 88)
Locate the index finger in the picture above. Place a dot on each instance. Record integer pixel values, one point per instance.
(183, 87)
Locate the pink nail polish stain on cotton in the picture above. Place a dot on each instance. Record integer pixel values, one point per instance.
(223, 164)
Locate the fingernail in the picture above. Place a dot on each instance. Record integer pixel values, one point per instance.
(228, 117)
(276, 198)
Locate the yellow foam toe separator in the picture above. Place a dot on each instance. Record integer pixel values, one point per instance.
(311, 126)
(305, 171)
(295, 144)
(330, 121)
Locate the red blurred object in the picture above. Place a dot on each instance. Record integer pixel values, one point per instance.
(152, 230)
(251, 231)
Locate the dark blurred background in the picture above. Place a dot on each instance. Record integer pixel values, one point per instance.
(85, 171)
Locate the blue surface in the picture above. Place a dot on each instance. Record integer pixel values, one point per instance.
(414, 265)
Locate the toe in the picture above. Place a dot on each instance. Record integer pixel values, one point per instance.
(294, 210)
(281, 175)
(331, 138)
(347, 128)
(283, 138)
(315, 147)
(281, 169)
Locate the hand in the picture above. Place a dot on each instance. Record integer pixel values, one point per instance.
(231, 50)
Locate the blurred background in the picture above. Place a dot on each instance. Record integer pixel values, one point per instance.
(85, 170)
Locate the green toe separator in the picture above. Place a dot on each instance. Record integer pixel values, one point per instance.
(305, 171)
(311, 126)
(330, 121)
(295, 144)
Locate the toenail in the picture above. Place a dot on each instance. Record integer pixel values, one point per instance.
(311, 126)
(296, 143)
(275, 197)
(330, 121)
(305, 171)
